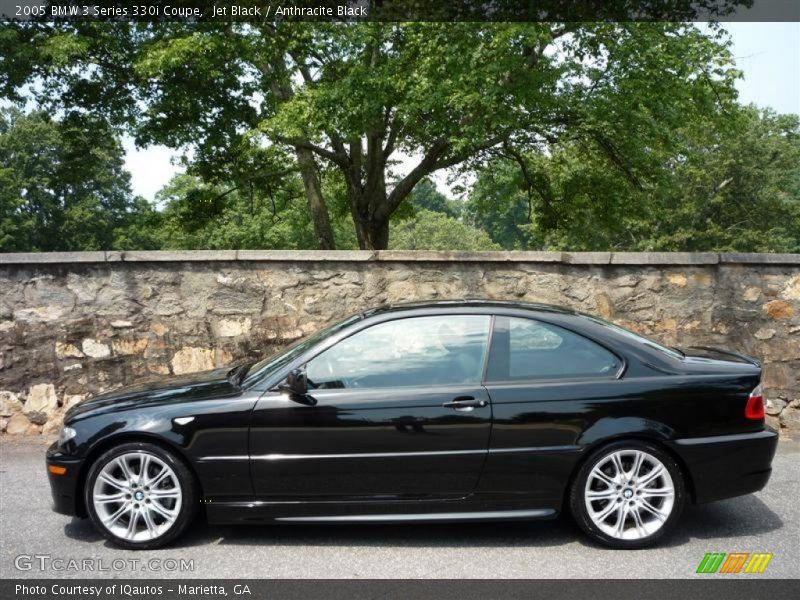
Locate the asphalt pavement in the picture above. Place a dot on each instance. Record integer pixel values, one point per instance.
(35, 542)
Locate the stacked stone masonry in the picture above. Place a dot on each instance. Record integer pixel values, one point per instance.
(75, 324)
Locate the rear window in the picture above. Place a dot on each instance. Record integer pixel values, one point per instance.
(525, 349)
(672, 352)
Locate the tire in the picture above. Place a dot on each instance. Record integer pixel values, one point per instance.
(650, 500)
(135, 512)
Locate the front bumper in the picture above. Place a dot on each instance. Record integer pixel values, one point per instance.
(725, 466)
(65, 488)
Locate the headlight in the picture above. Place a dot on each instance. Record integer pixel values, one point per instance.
(65, 434)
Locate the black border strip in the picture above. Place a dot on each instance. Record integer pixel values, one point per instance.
(401, 10)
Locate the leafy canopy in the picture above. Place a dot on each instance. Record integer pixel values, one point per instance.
(63, 186)
(340, 101)
(730, 189)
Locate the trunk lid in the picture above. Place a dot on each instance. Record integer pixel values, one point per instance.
(712, 355)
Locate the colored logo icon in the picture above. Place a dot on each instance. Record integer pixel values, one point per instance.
(735, 562)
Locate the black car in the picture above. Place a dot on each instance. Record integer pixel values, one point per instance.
(434, 412)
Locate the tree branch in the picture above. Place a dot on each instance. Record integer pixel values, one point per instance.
(391, 138)
(432, 161)
(334, 157)
(407, 183)
(614, 156)
(462, 156)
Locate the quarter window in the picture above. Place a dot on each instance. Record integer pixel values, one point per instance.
(432, 350)
(526, 349)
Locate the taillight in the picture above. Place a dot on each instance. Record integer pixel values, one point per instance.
(755, 405)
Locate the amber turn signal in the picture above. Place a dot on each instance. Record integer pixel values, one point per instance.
(57, 470)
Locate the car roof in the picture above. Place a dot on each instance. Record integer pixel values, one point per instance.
(467, 303)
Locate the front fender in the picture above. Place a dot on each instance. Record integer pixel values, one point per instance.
(211, 435)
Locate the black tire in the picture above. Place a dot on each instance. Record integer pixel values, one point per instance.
(580, 513)
(186, 481)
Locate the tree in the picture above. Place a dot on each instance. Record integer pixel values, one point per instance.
(502, 204)
(425, 196)
(734, 190)
(198, 215)
(436, 231)
(349, 97)
(731, 188)
(572, 198)
(63, 186)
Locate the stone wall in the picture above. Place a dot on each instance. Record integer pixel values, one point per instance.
(73, 324)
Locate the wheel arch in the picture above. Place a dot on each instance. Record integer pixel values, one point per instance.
(117, 440)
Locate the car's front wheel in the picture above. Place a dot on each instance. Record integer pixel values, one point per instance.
(140, 496)
(628, 495)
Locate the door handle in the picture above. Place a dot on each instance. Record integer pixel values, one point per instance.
(465, 403)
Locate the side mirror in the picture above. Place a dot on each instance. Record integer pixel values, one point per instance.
(297, 386)
(297, 382)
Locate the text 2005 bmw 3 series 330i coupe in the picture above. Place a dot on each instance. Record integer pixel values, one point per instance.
(435, 412)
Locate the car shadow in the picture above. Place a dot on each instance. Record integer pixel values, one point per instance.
(744, 516)
(533, 533)
(82, 530)
(519, 534)
(737, 517)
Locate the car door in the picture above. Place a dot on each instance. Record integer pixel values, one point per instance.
(397, 410)
(545, 381)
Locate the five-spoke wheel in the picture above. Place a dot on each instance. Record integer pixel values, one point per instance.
(140, 495)
(628, 494)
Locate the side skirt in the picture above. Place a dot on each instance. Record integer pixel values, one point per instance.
(219, 513)
(489, 515)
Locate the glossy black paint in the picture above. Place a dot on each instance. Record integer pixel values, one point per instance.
(259, 455)
(403, 431)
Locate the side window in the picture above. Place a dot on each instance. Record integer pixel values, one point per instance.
(415, 351)
(528, 349)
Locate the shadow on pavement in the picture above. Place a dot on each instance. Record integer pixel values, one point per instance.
(738, 517)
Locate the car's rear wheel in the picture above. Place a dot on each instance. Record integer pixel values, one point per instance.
(628, 494)
(140, 496)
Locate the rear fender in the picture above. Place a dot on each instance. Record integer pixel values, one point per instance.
(610, 428)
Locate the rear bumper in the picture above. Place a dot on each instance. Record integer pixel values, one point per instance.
(728, 465)
(66, 494)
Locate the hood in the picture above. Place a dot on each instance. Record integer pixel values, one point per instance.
(166, 390)
(706, 354)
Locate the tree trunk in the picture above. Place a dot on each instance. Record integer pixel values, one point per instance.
(376, 235)
(359, 207)
(316, 202)
(365, 201)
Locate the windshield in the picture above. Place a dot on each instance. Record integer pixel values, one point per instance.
(283, 357)
(637, 337)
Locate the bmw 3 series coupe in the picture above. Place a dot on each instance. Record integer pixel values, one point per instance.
(431, 412)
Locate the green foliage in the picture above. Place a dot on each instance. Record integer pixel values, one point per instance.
(342, 99)
(436, 231)
(63, 186)
(584, 136)
(735, 188)
(425, 196)
(197, 215)
(498, 203)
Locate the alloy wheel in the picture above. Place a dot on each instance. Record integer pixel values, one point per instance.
(137, 496)
(629, 494)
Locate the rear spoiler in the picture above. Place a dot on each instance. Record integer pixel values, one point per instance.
(743, 357)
